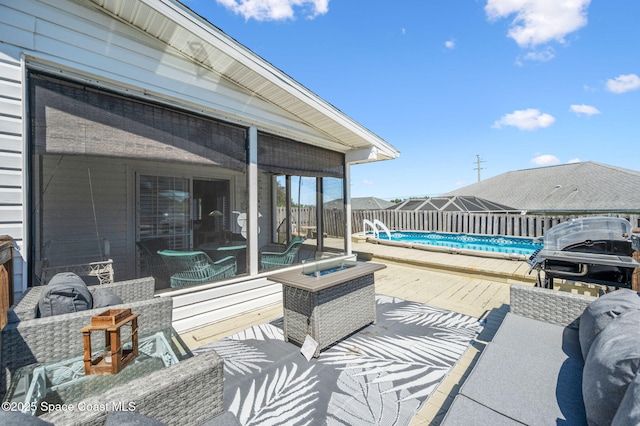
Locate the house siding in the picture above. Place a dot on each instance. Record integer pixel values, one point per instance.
(11, 158)
(192, 310)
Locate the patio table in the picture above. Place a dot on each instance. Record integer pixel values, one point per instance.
(328, 307)
(218, 250)
(235, 249)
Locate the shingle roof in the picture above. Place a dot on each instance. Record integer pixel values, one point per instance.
(576, 187)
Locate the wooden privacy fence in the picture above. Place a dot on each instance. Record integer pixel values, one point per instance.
(514, 225)
(468, 223)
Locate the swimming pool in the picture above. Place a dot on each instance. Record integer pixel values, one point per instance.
(489, 243)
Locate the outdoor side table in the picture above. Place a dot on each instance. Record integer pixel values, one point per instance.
(328, 307)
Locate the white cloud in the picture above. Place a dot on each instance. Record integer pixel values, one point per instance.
(404, 31)
(623, 83)
(539, 21)
(275, 10)
(368, 182)
(540, 56)
(450, 44)
(583, 109)
(574, 160)
(528, 119)
(545, 160)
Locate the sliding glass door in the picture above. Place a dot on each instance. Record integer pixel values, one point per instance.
(163, 211)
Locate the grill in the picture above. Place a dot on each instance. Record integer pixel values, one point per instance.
(596, 250)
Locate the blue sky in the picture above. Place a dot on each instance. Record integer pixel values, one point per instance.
(521, 83)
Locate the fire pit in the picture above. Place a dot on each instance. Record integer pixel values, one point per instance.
(327, 301)
(596, 250)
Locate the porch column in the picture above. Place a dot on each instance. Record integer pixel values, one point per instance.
(252, 213)
(320, 214)
(347, 207)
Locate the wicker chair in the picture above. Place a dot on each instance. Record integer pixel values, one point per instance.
(187, 393)
(27, 339)
(193, 267)
(272, 259)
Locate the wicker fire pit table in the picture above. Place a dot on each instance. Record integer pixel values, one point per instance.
(328, 306)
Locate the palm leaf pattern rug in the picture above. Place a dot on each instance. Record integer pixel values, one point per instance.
(381, 375)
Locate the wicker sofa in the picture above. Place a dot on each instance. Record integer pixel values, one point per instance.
(533, 371)
(187, 393)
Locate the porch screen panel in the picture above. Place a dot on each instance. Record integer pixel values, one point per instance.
(70, 118)
(164, 210)
(283, 156)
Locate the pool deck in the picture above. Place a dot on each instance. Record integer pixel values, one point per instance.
(475, 286)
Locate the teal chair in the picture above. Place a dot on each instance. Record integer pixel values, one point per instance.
(273, 259)
(152, 262)
(193, 267)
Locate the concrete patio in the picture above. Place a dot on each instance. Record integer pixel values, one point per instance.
(470, 285)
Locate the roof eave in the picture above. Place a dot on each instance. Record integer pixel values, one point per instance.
(240, 65)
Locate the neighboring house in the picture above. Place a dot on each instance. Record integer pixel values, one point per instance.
(452, 204)
(139, 121)
(568, 188)
(361, 203)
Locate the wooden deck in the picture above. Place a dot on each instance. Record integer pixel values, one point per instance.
(470, 285)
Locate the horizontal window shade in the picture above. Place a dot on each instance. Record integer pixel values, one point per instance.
(283, 156)
(70, 118)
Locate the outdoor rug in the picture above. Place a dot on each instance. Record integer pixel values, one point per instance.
(381, 375)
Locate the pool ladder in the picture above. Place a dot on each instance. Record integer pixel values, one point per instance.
(374, 226)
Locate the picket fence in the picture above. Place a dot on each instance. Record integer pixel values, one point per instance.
(516, 225)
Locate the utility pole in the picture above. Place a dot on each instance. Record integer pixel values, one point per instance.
(478, 168)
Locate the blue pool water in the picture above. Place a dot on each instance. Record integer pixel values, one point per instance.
(493, 243)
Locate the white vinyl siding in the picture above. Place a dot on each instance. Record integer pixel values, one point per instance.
(11, 160)
(222, 302)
